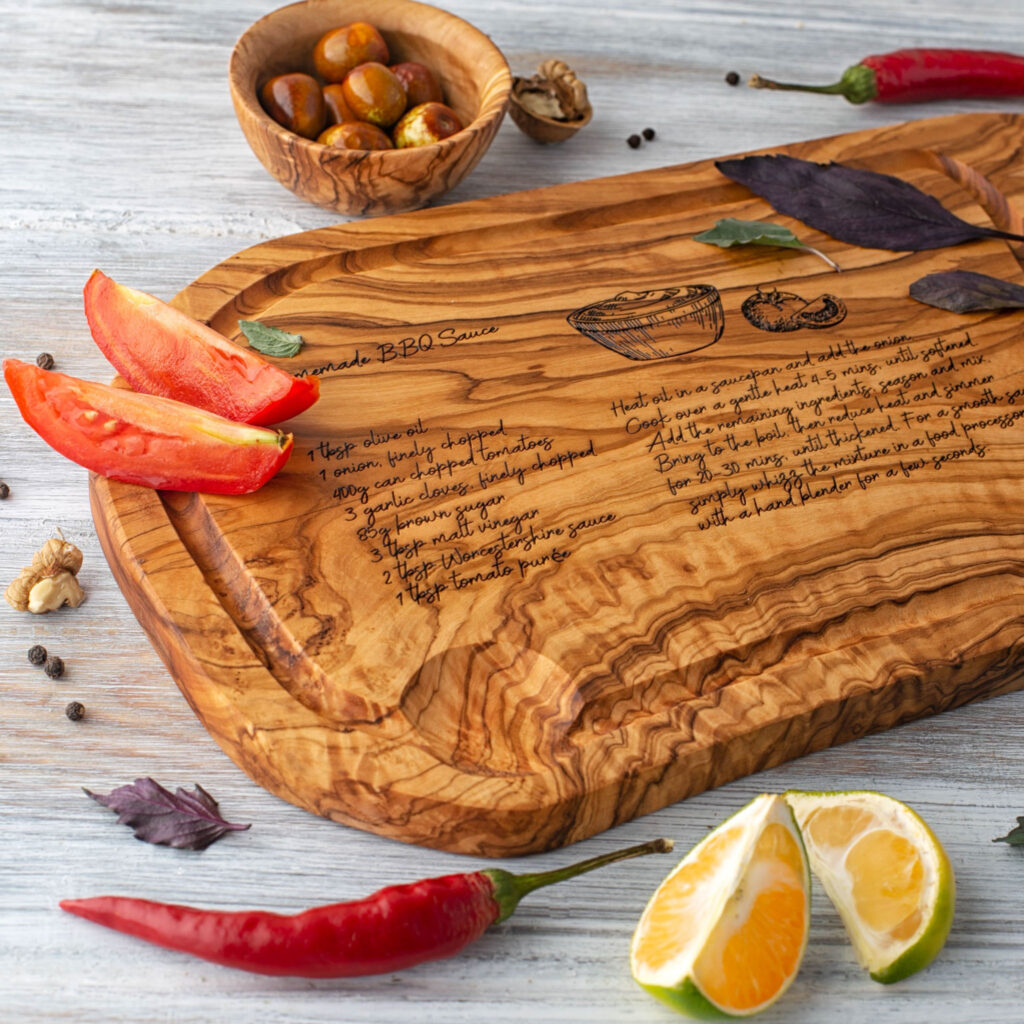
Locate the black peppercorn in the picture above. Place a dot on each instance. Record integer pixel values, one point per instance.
(5, 491)
(732, 78)
(44, 360)
(633, 141)
(37, 654)
(75, 711)
(648, 134)
(54, 667)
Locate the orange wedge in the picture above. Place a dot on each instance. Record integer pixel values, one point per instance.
(724, 934)
(886, 874)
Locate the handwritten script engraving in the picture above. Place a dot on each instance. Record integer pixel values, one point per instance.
(433, 506)
(837, 419)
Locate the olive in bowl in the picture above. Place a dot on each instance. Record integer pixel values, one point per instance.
(419, 82)
(336, 108)
(341, 49)
(356, 135)
(470, 69)
(296, 101)
(374, 93)
(425, 124)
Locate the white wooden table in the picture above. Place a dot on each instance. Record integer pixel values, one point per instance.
(119, 149)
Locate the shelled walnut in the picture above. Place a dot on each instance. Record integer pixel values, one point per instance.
(551, 105)
(50, 581)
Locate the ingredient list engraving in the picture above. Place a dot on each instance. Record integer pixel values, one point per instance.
(433, 506)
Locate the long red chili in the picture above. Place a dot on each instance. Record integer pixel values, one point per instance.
(394, 928)
(911, 76)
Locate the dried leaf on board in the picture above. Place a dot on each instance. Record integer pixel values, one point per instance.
(964, 291)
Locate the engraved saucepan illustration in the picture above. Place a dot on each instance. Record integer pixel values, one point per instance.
(654, 324)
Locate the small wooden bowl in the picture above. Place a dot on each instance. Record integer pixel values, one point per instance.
(473, 73)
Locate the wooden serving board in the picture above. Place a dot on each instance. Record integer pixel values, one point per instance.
(591, 516)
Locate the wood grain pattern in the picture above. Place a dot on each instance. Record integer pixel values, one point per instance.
(516, 587)
(473, 73)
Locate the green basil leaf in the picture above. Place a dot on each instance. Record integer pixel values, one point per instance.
(729, 231)
(271, 341)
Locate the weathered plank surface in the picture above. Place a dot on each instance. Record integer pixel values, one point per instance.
(140, 169)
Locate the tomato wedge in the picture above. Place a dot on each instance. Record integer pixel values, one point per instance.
(144, 439)
(161, 351)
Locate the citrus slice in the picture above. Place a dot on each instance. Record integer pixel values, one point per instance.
(724, 934)
(886, 874)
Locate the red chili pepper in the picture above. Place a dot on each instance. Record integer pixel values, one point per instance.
(912, 76)
(396, 927)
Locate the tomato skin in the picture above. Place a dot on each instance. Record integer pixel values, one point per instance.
(144, 439)
(161, 351)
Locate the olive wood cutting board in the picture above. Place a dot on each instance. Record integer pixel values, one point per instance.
(592, 517)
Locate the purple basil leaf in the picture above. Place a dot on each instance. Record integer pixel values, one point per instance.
(186, 821)
(859, 207)
(964, 291)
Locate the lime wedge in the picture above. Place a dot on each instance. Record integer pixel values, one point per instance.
(885, 873)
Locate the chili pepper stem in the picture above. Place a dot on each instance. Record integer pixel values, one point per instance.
(757, 82)
(509, 888)
(857, 84)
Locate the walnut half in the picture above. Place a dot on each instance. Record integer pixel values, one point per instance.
(50, 581)
(51, 592)
(551, 105)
